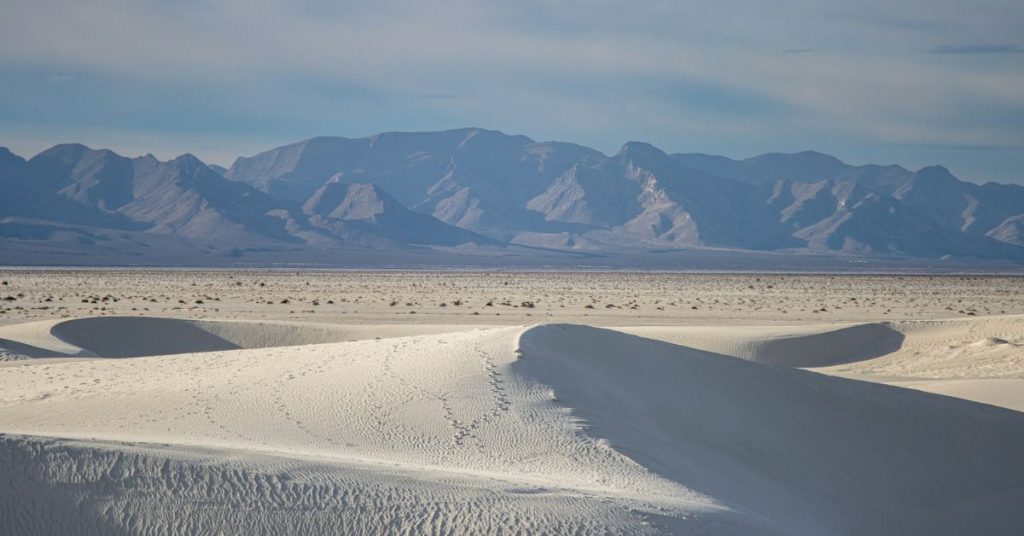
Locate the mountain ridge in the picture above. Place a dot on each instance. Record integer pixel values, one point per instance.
(487, 192)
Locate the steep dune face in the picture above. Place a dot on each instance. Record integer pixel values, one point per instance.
(792, 346)
(127, 336)
(979, 359)
(551, 429)
(844, 345)
(135, 337)
(976, 348)
(818, 455)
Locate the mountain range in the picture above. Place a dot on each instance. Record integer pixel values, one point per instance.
(461, 196)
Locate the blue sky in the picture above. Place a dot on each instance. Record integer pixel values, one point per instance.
(911, 82)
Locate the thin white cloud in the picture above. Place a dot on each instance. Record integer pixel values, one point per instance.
(543, 64)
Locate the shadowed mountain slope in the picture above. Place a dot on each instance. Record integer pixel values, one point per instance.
(483, 188)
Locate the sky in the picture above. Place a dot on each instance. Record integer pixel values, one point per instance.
(912, 82)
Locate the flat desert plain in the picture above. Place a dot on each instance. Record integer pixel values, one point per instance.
(284, 402)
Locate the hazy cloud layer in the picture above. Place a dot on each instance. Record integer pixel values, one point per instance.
(978, 49)
(914, 82)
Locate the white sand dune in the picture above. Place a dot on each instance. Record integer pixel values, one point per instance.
(549, 429)
(794, 346)
(1005, 393)
(987, 347)
(977, 359)
(36, 339)
(134, 336)
(980, 359)
(963, 348)
(791, 441)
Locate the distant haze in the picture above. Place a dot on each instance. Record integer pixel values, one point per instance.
(910, 82)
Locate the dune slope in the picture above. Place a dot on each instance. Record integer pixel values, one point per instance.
(979, 359)
(815, 453)
(133, 336)
(549, 429)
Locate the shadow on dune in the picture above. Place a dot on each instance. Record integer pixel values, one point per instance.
(22, 350)
(845, 345)
(128, 336)
(138, 336)
(814, 454)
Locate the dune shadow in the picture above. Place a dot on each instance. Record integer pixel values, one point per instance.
(138, 336)
(814, 453)
(845, 345)
(21, 350)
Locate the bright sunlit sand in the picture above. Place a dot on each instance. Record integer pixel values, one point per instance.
(501, 424)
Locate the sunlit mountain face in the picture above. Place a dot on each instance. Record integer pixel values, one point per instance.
(484, 190)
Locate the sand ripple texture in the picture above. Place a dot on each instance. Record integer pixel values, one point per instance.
(546, 429)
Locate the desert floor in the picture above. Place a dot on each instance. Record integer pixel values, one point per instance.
(241, 402)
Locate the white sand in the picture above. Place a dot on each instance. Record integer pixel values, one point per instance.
(980, 359)
(554, 428)
(607, 299)
(245, 425)
(146, 336)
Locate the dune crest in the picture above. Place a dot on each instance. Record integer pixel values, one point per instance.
(134, 336)
(553, 428)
